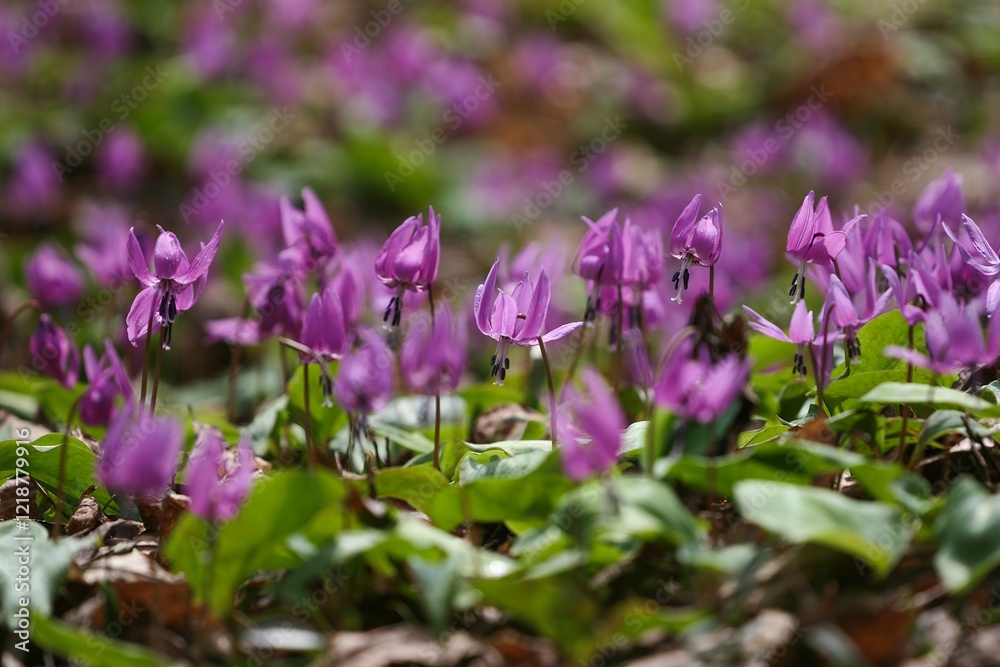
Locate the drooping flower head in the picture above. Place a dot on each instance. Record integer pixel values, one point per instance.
(216, 483)
(52, 277)
(801, 332)
(172, 287)
(812, 240)
(595, 426)
(408, 260)
(695, 387)
(54, 353)
(600, 259)
(954, 337)
(139, 452)
(308, 232)
(695, 240)
(107, 380)
(433, 354)
(941, 201)
(325, 335)
(517, 318)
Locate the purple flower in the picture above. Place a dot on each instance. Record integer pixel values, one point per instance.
(942, 200)
(104, 230)
(107, 380)
(847, 312)
(217, 484)
(596, 422)
(812, 239)
(139, 453)
(601, 255)
(694, 387)
(988, 262)
(349, 284)
(518, 317)
(408, 260)
(54, 353)
(52, 278)
(920, 283)
(364, 379)
(120, 161)
(273, 289)
(642, 264)
(308, 231)
(323, 329)
(885, 239)
(170, 289)
(954, 338)
(34, 186)
(801, 332)
(695, 241)
(433, 354)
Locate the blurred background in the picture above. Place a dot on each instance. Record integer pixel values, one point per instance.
(512, 118)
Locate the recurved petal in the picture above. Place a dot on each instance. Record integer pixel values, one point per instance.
(203, 260)
(137, 261)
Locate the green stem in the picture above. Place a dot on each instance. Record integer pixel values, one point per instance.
(308, 410)
(437, 393)
(156, 375)
(149, 342)
(553, 409)
(61, 479)
(905, 425)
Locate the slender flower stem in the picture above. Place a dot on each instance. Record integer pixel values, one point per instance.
(33, 304)
(619, 344)
(145, 355)
(552, 390)
(156, 375)
(711, 283)
(437, 392)
(818, 372)
(61, 479)
(905, 425)
(309, 439)
(234, 367)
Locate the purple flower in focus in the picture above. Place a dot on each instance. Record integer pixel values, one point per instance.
(920, 283)
(596, 422)
(812, 239)
(54, 353)
(139, 453)
(694, 387)
(433, 354)
(408, 260)
(170, 289)
(942, 200)
(364, 380)
(842, 309)
(517, 318)
(216, 483)
(106, 380)
(52, 278)
(695, 241)
(801, 332)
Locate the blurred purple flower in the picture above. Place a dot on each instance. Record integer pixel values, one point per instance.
(34, 186)
(433, 354)
(595, 426)
(942, 199)
(954, 338)
(52, 277)
(364, 381)
(323, 328)
(103, 231)
(216, 483)
(517, 318)
(688, 16)
(695, 387)
(642, 263)
(309, 232)
(170, 289)
(139, 453)
(106, 380)
(120, 159)
(54, 353)
(409, 259)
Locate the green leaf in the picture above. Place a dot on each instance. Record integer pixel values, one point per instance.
(886, 329)
(279, 507)
(47, 563)
(872, 531)
(901, 392)
(90, 648)
(968, 532)
(43, 466)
